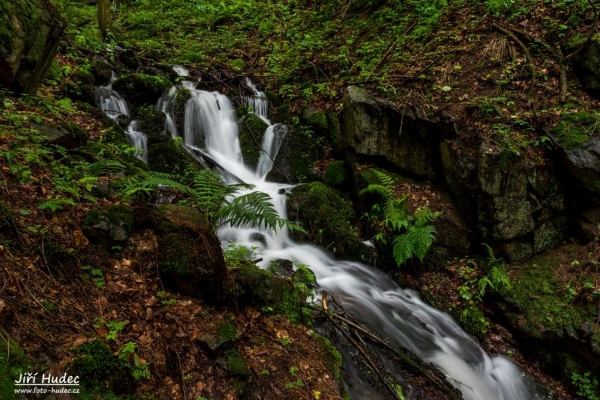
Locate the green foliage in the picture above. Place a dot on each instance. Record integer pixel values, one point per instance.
(95, 275)
(413, 234)
(210, 195)
(585, 385)
(575, 129)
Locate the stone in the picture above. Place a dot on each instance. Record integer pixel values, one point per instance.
(588, 225)
(189, 254)
(140, 89)
(327, 219)
(586, 65)
(372, 128)
(29, 36)
(494, 177)
(237, 64)
(108, 227)
(516, 250)
(252, 131)
(81, 87)
(550, 233)
(68, 135)
(584, 163)
(129, 59)
(102, 72)
(336, 174)
(298, 152)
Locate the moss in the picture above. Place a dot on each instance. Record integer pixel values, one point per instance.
(542, 302)
(334, 358)
(318, 121)
(327, 218)
(335, 133)
(575, 129)
(297, 155)
(236, 364)
(98, 368)
(252, 130)
(152, 123)
(170, 158)
(183, 95)
(28, 15)
(141, 89)
(336, 175)
(13, 362)
(238, 64)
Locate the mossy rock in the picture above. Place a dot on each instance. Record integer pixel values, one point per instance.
(238, 64)
(98, 367)
(109, 226)
(234, 363)
(336, 175)
(170, 158)
(334, 134)
(297, 155)
(574, 129)
(140, 89)
(252, 131)
(152, 123)
(327, 218)
(101, 71)
(67, 135)
(190, 258)
(81, 86)
(259, 288)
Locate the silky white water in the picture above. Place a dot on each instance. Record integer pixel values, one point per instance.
(115, 107)
(369, 295)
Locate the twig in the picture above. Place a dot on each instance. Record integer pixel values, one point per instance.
(525, 50)
(362, 351)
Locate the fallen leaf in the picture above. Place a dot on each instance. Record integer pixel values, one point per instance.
(79, 341)
(79, 239)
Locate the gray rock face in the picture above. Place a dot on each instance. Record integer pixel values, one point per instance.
(587, 67)
(109, 226)
(584, 164)
(376, 128)
(29, 36)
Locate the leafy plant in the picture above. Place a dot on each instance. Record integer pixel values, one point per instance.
(210, 195)
(95, 274)
(585, 385)
(413, 234)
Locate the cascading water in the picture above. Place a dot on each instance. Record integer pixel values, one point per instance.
(367, 294)
(115, 107)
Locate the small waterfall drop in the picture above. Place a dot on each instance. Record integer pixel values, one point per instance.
(115, 107)
(367, 294)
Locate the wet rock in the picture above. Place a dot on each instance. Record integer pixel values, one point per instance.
(69, 136)
(584, 163)
(129, 59)
(252, 131)
(336, 175)
(168, 157)
(189, 254)
(327, 219)
(109, 226)
(259, 237)
(283, 268)
(140, 89)
(372, 128)
(152, 123)
(102, 72)
(29, 36)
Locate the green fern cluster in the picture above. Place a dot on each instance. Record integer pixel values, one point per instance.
(212, 196)
(413, 234)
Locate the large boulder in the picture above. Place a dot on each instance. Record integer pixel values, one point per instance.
(377, 129)
(252, 131)
(328, 220)
(29, 36)
(189, 254)
(108, 227)
(140, 89)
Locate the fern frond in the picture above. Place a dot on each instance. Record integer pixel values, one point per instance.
(422, 237)
(387, 181)
(424, 216)
(104, 167)
(376, 188)
(254, 209)
(402, 249)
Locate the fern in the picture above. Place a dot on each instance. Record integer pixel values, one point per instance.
(210, 195)
(414, 234)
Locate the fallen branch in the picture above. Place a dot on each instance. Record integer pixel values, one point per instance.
(525, 50)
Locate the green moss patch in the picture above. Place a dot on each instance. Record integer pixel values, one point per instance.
(252, 131)
(575, 129)
(141, 89)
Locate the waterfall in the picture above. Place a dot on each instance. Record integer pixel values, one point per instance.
(369, 295)
(115, 107)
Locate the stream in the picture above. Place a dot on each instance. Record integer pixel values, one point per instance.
(367, 294)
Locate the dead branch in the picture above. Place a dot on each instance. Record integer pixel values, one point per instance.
(525, 50)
